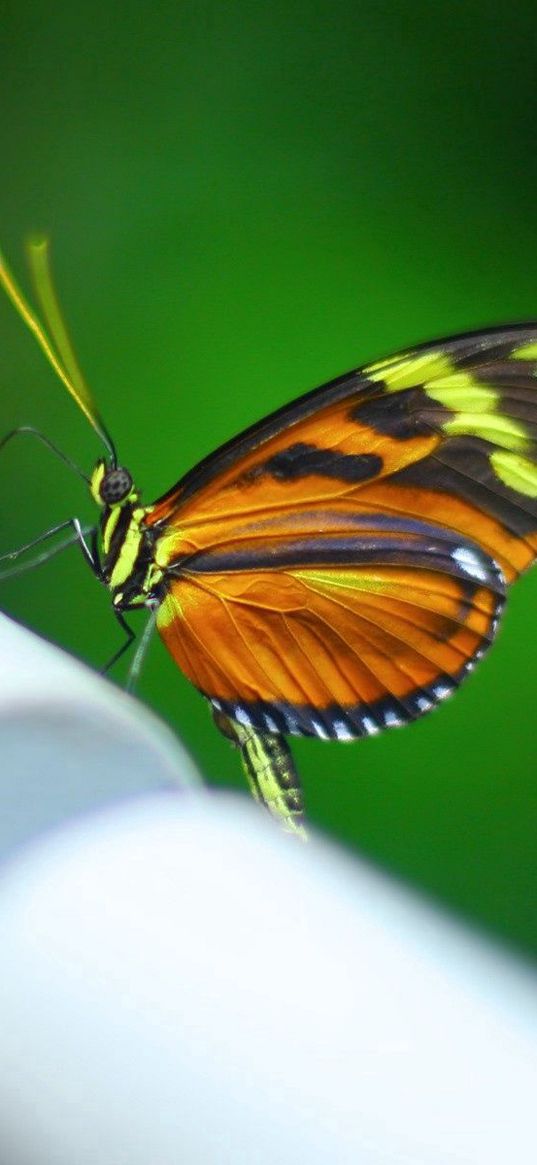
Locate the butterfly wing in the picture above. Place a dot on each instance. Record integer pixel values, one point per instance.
(328, 648)
(339, 567)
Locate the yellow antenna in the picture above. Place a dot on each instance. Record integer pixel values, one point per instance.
(61, 357)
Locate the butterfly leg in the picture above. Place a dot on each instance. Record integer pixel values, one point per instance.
(130, 636)
(141, 650)
(78, 534)
(270, 771)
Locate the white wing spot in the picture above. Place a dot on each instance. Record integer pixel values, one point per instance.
(341, 731)
(242, 717)
(370, 726)
(391, 719)
(442, 691)
(320, 731)
(469, 561)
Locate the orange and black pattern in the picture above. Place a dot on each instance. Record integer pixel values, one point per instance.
(339, 567)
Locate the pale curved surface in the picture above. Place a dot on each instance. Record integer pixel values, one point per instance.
(182, 983)
(72, 741)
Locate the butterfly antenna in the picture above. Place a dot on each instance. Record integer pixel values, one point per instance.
(23, 430)
(58, 351)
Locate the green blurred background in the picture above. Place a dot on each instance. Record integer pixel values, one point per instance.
(246, 199)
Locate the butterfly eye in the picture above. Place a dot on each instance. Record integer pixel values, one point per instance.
(115, 486)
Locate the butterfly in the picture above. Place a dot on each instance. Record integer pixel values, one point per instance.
(340, 566)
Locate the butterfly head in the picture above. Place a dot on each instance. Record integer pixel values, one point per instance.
(112, 485)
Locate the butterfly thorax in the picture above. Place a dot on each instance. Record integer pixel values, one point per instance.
(125, 544)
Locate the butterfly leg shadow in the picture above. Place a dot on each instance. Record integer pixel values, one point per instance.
(270, 772)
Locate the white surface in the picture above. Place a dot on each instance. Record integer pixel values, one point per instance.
(183, 984)
(70, 740)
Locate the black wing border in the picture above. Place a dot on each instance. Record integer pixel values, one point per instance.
(494, 342)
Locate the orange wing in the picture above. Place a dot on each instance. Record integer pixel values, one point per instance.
(335, 651)
(338, 567)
